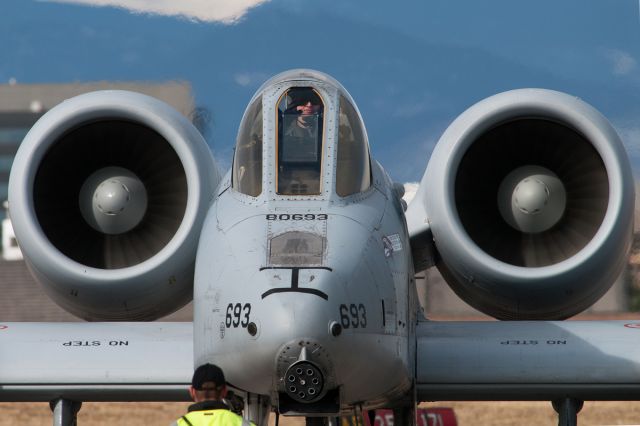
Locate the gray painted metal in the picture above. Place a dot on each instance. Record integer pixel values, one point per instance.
(95, 361)
(65, 412)
(549, 275)
(528, 360)
(113, 200)
(257, 409)
(144, 289)
(324, 278)
(359, 278)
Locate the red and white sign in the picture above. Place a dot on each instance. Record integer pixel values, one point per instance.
(425, 417)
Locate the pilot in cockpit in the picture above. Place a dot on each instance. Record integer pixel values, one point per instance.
(306, 107)
(300, 143)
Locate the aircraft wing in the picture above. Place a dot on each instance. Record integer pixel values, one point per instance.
(527, 360)
(526, 208)
(95, 361)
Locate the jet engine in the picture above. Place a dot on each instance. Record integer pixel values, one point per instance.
(107, 196)
(529, 198)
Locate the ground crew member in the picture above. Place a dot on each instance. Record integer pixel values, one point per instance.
(208, 388)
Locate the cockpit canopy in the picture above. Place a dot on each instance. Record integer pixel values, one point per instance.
(311, 121)
(247, 161)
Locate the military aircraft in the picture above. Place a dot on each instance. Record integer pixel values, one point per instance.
(301, 259)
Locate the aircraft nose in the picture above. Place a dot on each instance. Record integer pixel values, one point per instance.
(308, 286)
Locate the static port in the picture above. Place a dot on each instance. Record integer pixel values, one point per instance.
(309, 372)
(315, 381)
(312, 391)
(293, 388)
(302, 395)
(291, 378)
(299, 370)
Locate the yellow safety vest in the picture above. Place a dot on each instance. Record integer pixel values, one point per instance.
(219, 417)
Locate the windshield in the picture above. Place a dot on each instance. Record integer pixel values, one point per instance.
(247, 161)
(353, 173)
(300, 131)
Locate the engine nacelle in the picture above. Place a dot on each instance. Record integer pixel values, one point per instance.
(107, 196)
(529, 197)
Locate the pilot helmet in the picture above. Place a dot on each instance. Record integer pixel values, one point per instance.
(300, 96)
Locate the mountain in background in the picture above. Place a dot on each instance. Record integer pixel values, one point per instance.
(409, 82)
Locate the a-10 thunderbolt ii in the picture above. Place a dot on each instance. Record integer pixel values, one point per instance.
(301, 259)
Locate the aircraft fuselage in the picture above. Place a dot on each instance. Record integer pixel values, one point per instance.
(319, 278)
(342, 293)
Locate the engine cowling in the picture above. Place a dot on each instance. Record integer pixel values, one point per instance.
(529, 197)
(107, 196)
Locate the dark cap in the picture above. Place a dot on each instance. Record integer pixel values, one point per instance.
(300, 95)
(207, 373)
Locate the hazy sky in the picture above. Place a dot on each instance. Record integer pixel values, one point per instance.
(411, 66)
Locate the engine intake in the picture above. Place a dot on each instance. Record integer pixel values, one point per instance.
(69, 163)
(529, 197)
(510, 147)
(107, 196)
